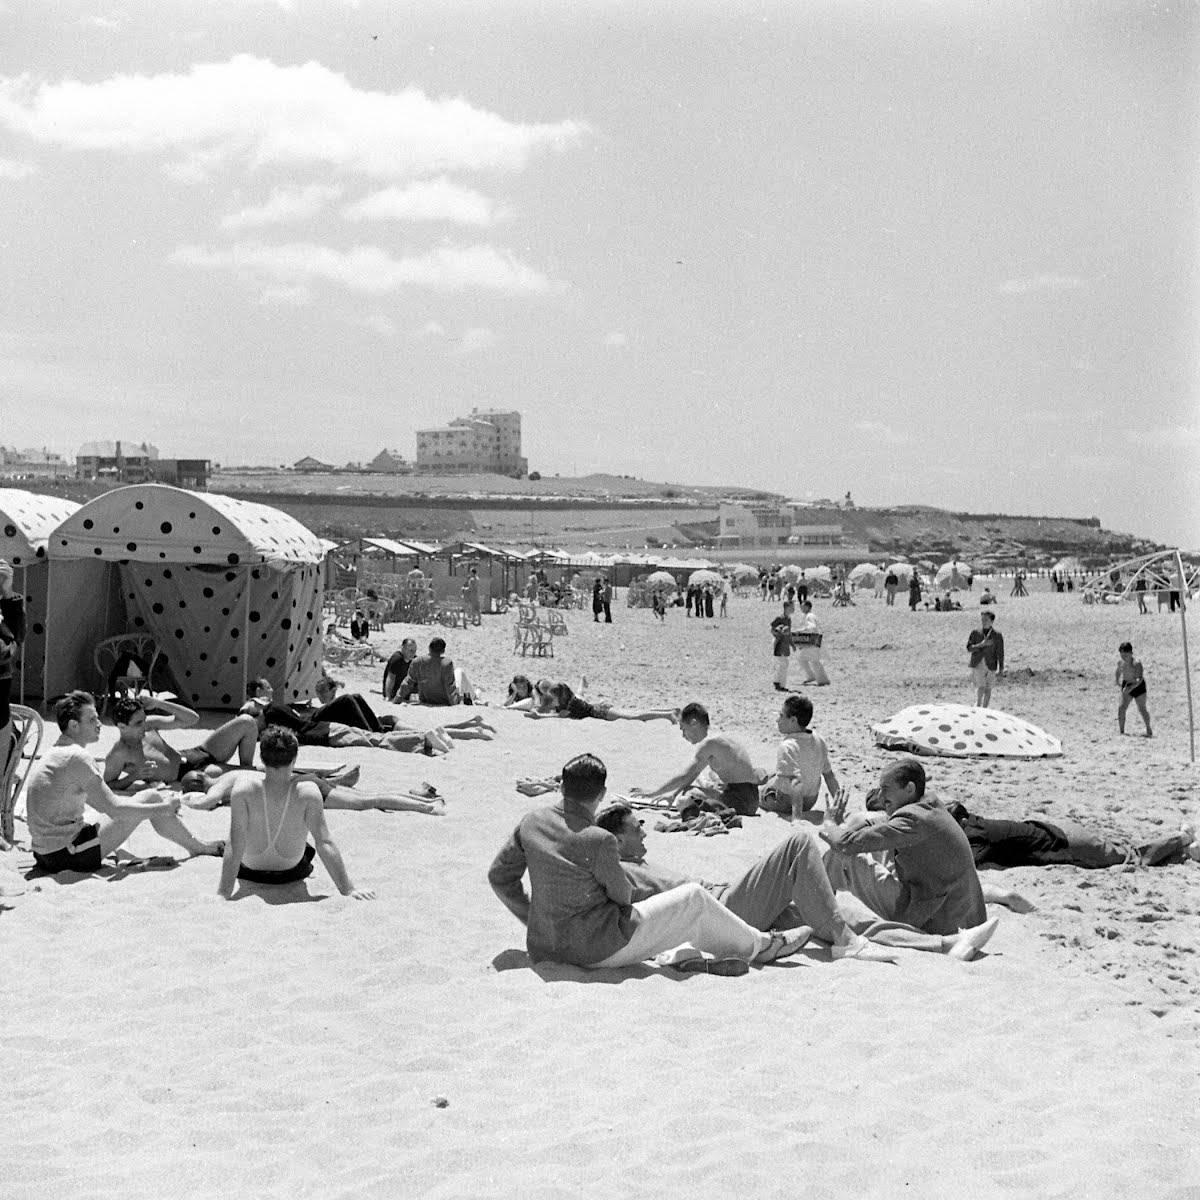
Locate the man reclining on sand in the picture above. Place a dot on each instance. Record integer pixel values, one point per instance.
(349, 721)
(270, 818)
(64, 781)
(729, 760)
(207, 792)
(926, 883)
(564, 703)
(580, 906)
(141, 755)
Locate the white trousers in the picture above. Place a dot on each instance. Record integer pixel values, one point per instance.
(810, 663)
(687, 916)
(781, 669)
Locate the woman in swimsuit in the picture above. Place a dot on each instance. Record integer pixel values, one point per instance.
(572, 707)
(1132, 683)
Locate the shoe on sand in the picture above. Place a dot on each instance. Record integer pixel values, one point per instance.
(783, 944)
(712, 966)
(971, 941)
(862, 950)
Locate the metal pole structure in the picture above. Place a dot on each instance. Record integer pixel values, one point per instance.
(1187, 669)
(25, 599)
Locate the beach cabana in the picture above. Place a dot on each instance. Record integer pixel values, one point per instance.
(866, 575)
(903, 572)
(229, 590)
(954, 574)
(26, 522)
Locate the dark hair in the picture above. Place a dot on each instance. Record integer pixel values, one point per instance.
(255, 686)
(987, 612)
(437, 646)
(123, 709)
(612, 817)
(521, 682)
(1126, 646)
(70, 707)
(562, 696)
(278, 747)
(193, 781)
(806, 606)
(907, 771)
(694, 712)
(799, 707)
(584, 778)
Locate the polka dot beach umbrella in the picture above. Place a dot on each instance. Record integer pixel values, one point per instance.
(960, 731)
(953, 574)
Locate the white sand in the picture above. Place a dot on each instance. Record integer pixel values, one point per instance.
(161, 1042)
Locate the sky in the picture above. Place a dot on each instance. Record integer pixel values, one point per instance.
(925, 253)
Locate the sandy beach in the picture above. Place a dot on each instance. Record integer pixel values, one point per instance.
(162, 1042)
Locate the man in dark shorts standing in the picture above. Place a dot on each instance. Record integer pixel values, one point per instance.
(65, 780)
(141, 756)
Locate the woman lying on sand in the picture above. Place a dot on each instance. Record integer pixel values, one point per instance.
(564, 703)
(208, 792)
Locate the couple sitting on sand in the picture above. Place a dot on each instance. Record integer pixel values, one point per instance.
(593, 902)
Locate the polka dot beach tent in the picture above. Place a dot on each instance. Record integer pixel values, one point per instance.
(959, 731)
(230, 590)
(26, 522)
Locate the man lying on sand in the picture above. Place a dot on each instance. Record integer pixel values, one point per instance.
(64, 781)
(928, 885)
(270, 818)
(207, 792)
(142, 756)
(564, 703)
(1034, 842)
(727, 759)
(580, 906)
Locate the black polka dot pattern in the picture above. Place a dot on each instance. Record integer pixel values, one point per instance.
(959, 731)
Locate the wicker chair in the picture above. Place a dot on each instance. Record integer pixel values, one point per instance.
(108, 653)
(27, 729)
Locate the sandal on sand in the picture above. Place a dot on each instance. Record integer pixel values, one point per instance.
(971, 941)
(783, 944)
(862, 950)
(712, 966)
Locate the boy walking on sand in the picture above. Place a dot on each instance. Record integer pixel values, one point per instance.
(801, 765)
(781, 632)
(1133, 687)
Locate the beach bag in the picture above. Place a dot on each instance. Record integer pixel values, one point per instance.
(807, 637)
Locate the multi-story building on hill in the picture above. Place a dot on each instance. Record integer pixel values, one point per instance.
(139, 462)
(33, 464)
(489, 440)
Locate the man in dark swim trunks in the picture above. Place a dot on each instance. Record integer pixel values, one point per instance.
(142, 757)
(270, 818)
(64, 781)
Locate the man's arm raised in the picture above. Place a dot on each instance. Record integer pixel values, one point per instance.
(166, 714)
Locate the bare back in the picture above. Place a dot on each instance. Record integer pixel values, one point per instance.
(276, 821)
(727, 759)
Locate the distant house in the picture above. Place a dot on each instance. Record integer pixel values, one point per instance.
(33, 464)
(488, 440)
(122, 462)
(389, 462)
(190, 473)
(311, 465)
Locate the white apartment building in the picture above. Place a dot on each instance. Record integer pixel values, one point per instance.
(489, 440)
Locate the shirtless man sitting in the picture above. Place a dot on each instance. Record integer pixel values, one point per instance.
(141, 756)
(270, 818)
(728, 760)
(64, 782)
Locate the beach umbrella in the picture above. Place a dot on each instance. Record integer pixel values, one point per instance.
(703, 576)
(903, 571)
(744, 571)
(660, 580)
(1071, 565)
(963, 731)
(866, 575)
(821, 573)
(953, 574)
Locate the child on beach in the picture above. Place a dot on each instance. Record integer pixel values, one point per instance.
(659, 605)
(781, 632)
(1130, 680)
(520, 694)
(801, 765)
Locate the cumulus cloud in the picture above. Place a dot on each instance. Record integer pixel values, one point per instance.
(475, 340)
(379, 322)
(431, 329)
(427, 200)
(1040, 283)
(282, 206)
(11, 168)
(372, 270)
(881, 432)
(616, 338)
(300, 115)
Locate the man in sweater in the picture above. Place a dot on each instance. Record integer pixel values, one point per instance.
(985, 646)
(925, 879)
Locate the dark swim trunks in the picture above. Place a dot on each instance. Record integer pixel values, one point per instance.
(1138, 689)
(302, 870)
(742, 798)
(195, 758)
(83, 854)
